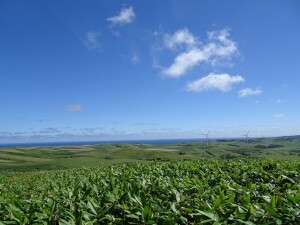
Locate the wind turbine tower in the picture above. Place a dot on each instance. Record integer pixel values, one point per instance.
(246, 136)
(206, 136)
(265, 142)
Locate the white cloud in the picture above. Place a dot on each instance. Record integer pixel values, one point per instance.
(74, 108)
(185, 61)
(218, 48)
(125, 16)
(249, 91)
(91, 40)
(222, 82)
(220, 44)
(179, 38)
(280, 116)
(49, 130)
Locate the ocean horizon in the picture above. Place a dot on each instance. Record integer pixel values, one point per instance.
(78, 143)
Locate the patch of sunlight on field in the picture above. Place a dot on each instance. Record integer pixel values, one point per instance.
(162, 149)
(22, 158)
(11, 150)
(6, 161)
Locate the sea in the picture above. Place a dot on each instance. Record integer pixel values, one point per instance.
(78, 143)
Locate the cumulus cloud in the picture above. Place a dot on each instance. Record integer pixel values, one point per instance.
(222, 82)
(249, 91)
(125, 16)
(183, 62)
(280, 116)
(182, 37)
(91, 40)
(74, 108)
(218, 48)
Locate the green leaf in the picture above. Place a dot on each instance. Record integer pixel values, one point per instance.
(246, 199)
(272, 212)
(245, 222)
(132, 216)
(217, 202)
(110, 198)
(231, 199)
(266, 198)
(210, 214)
(92, 208)
(290, 197)
(147, 213)
(287, 179)
(173, 207)
(177, 197)
(273, 201)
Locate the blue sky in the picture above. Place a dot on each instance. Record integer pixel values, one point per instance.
(111, 70)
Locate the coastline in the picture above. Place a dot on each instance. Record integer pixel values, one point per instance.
(78, 143)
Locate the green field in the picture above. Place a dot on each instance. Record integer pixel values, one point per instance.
(224, 182)
(49, 158)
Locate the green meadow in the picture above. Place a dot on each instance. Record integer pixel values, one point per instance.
(65, 157)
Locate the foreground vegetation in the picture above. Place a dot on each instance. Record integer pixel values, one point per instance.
(243, 191)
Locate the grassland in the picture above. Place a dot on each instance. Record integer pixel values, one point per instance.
(224, 182)
(65, 157)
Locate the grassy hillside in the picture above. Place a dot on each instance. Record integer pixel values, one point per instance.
(49, 158)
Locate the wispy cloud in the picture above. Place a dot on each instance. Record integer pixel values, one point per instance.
(88, 130)
(74, 108)
(222, 82)
(249, 91)
(145, 124)
(257, 102)
(135, 59)
(280, 101)
(218, 48)
(43, 120)
(125, 16)
(91, 40)
(280, 116)
(49, 130)
(97, 134)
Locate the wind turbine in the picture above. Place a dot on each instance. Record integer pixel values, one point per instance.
(246, 136)
(265, 141)
(206, 136)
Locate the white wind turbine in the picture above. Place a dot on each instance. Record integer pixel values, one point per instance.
(265, 141)
(246, 136)
(206, 136)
